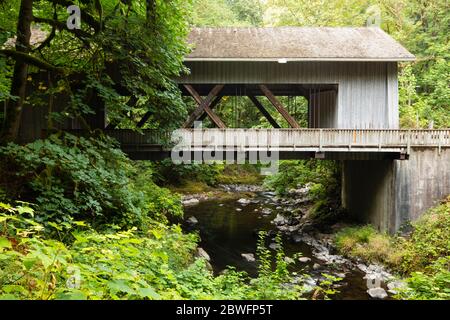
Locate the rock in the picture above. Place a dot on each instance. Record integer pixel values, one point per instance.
(244, 201)
(280, 220)
(274, 246)
(278, 208)
(316, 266)
(238, 209)
(266, 211)
(297, 238)
(190, 202)
(201, 253)
(220, 204)
(377, 293)
(309, 284)
(304, 259)
(396, 285)
(192, 220)
(289, 260)
(249, 257)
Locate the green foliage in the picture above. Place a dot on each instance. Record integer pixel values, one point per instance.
(323, 179)
(156, 264)
(216, 13)
(240, 174)
(424, 257)
(168, 173)
(83, 178)
(430, 239)
(366, 243)
(120, 57)
(433, 285)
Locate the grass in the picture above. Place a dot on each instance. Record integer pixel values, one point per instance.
(240, 174)
(191, 187)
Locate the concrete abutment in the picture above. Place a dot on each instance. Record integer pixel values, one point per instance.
(390, 193)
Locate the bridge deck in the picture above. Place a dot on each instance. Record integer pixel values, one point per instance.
(291, 143)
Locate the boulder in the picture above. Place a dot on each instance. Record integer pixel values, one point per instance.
(244, 201)
(201, 253)
(304, 259)
(249, 257)
(377, 293)
(395, 286)
(192, 220)
(190, 202)
(274, 246)
(280, 220)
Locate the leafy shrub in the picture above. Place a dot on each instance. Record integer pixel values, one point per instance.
(84, 178)
(424, 257)
(157, 264)
(434, 284)
(168, 173)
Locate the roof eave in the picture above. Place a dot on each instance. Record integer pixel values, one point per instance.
(331, 59)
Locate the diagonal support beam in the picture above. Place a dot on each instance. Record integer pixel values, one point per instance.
(277, 104)
(263, 110)
(203, 105)
(213, 104)
(144, 119)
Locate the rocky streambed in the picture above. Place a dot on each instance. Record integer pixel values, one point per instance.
(229, 225)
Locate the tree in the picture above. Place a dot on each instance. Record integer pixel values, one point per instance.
(124, 57)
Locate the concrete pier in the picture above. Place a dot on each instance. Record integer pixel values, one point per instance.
(390, 193)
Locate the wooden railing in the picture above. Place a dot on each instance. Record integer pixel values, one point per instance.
(288, 139)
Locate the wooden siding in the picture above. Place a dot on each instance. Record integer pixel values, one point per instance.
(367, 91)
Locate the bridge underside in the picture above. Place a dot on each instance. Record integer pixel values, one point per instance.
(158, 153)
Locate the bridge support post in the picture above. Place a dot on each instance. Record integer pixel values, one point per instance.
(390, 193)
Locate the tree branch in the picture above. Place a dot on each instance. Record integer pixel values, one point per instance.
(24, 57)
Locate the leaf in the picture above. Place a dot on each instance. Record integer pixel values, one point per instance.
(5, 243)
(148, 293)
(29, 262)
(120, 286)
(23, 210)
(73, 295)
(8, 297)
(54, 225)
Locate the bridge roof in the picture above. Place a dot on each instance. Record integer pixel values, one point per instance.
(295, 44)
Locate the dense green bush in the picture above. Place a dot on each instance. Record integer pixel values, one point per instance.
(113, 264)
(83, 178)
(168, 173)
(423, 257)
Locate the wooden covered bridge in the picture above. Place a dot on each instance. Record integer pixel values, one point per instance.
(348, 77)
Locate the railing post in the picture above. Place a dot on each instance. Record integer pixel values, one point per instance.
(380, 134)
(320, 140)
(408, 143)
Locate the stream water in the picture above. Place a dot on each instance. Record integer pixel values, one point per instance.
(228, 229)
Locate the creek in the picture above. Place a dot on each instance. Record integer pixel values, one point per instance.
(229, 228)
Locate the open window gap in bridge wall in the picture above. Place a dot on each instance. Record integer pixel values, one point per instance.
(321, 102)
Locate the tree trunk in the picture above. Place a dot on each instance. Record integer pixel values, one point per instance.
(151, 12)
(19, 80)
